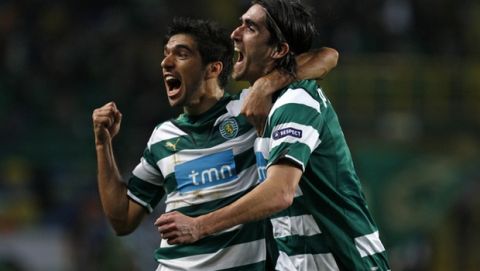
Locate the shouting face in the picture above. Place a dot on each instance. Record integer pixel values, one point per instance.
(251, 41)
(183, 71)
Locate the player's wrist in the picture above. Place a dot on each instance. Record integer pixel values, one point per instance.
(201, 226)
(101, 144)
(274, 81)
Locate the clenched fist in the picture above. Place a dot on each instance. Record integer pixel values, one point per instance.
(106, 123)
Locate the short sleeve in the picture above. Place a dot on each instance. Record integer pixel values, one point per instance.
(294, 127)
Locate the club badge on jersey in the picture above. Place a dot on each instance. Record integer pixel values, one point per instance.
(229, 128)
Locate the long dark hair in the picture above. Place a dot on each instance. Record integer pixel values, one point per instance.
(289, 21)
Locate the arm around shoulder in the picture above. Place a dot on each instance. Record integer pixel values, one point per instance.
(317, 63)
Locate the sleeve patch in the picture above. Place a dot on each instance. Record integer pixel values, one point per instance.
(289, 131)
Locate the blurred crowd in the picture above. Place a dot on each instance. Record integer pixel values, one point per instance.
(61, 59)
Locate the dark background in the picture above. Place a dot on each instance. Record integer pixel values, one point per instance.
(406, 90)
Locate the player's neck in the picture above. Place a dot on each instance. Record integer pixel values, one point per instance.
(266, 70)
(205, 99)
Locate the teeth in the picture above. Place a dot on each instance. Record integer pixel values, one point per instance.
(172, 82)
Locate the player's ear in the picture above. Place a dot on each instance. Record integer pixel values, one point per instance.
(214, 69)
(281, 50)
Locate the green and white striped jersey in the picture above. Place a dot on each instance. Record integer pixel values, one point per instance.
(203, 163)
(328, 226)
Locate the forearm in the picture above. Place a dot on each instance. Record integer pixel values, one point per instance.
(272, 82)
(316, 64)
(112, 190)
(265, 200)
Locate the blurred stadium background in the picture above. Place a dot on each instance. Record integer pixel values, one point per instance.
(407, 90)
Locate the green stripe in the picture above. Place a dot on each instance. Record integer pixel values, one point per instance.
(150, 158)
(210, 244)
(217, 138)
(297, 208)
(245, 160)
(379, 260)
(194, 140)
(150, 193)
(201, 130)
(207, 207)
(309, 85)
(170, 183)
(298, 113)
(295, 244)
(300, 151)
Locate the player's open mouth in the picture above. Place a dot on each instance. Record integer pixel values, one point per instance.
(238, 56)
(173, 85)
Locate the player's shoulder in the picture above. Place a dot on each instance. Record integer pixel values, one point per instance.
(302, 88)
(166, 125)
(165, 131)
(305, 84)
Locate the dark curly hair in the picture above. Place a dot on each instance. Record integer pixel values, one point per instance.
(213, 42)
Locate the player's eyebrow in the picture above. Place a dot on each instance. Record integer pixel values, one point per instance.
(178, 47)
(248, 22)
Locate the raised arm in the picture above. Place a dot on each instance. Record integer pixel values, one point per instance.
(124, 214)
(274, 194)
(314, 64)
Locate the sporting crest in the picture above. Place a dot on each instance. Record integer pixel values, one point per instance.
(229, 128)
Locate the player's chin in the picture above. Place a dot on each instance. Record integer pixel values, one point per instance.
(237, 75)
(176, 100)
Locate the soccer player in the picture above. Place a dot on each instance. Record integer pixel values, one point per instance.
(202, 160)
(311, 191)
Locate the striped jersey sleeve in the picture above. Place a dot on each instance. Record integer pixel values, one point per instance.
(294, 125)
(146, 186)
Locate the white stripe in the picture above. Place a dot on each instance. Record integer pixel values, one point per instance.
(295, 96)
(246, 179)
(165, 131)
(310, 135)
(303, 225)
(139, 201)
(262, 144)
(306, 262)
(233, 256)
(369, 244)
(148, 173)
(238, 145)
(233, 107)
